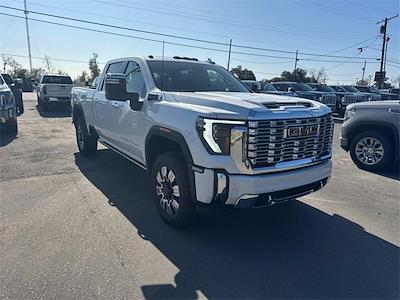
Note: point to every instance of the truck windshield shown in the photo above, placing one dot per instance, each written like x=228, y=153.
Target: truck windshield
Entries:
x=9, y=80
x=338, y=88
x=269, y=88
x=186, y=76
x=302, y=87
x=350, y=89
x=363, y=89
x=324, y=88
x=57, y=79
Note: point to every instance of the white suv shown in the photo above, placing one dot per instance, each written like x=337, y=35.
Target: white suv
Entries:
x=206, y=141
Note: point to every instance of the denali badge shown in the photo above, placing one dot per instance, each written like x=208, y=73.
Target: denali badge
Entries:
x=298, y=131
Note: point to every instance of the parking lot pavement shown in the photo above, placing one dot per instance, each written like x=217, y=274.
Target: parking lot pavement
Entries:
x=74, y=227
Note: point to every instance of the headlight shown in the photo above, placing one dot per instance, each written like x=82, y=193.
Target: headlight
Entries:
x=216, y=134
x=349, y=113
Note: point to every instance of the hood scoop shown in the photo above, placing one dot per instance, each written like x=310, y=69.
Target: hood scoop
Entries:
x=286, y=105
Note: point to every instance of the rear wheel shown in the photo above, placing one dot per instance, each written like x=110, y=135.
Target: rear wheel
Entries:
x=170, y=190
x=371, y=150
x=87, y=144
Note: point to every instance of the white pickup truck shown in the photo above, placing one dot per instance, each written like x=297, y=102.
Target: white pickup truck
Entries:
x=205, y=140
x=54, y=88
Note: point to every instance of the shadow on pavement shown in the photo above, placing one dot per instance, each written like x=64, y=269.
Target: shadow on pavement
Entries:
x=287, y=251
x=393, y=173
x=55, y=110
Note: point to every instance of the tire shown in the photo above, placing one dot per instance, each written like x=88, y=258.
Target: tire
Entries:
x=12, y=127
x=170, y=189
x=371, y=150
x=87, y=144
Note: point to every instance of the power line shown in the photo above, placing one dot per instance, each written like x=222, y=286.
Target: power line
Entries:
x=179, y=37
x=51, y=58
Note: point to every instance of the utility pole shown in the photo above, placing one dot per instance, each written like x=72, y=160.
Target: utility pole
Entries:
x=387, y=41
x=383, y=30
x=229, y=54
x=363, y=69
x=27, y=37
x=295, y=65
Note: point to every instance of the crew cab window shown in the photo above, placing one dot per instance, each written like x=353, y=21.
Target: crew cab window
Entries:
x=134, y=79
x=56, y=79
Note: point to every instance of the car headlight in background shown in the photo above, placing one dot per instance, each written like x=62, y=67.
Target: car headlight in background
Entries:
x=216, y=134
x=349, y=113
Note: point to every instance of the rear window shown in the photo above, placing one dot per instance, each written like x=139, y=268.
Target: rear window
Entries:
x=57, y=79
x=338, y=88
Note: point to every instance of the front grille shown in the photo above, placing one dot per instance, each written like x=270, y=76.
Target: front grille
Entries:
x=330, y=100
x=268, y=142
x=351, y=99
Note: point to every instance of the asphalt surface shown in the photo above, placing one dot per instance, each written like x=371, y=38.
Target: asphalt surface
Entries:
x=79, y=228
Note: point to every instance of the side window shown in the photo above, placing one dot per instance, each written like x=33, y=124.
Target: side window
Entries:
x=134, y=79
x=117, y=67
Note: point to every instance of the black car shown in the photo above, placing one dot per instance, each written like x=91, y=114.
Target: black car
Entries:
x=252, y=85
x=268, y=88
x=362, y=97
x=17, y=92
x=344, y=98
x=302, y=90
x=373, y=90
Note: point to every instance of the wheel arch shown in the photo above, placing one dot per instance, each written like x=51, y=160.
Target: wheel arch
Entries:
x=386, y=128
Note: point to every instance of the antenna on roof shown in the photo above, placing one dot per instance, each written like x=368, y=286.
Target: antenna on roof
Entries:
x=162, y=66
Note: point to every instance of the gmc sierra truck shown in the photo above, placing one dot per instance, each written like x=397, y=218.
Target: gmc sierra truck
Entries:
x=8, y=109
x=205, y=140
x=54, y=88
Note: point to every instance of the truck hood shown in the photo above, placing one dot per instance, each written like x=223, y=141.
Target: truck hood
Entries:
x=376, y=104
x=237, y=105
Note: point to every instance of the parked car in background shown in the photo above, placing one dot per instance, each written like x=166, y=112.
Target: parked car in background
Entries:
x=17, y=92
x=253, y=85
x=201, y=135
x=371, y=133
x=28, y=85
x=302, y=90
x=8, y=109
x=373, y=90
x=344, y=98
x=54, y=89
x=394, y=91
x=268, y=88
x=362, y=97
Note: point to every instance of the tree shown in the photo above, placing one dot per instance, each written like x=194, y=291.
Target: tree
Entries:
x=83, y=78
x=362, y=82
x=6, y=61
x=320, y=75
x=94, y=66
x=243, y=74
x=300, y=75
x=48, y=64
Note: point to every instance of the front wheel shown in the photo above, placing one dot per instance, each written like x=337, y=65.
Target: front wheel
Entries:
x=371, y=150
x=170, y=190
x=87, y=144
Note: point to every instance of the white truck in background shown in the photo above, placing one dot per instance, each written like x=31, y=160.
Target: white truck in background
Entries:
x=204, y=139
x=54, y=89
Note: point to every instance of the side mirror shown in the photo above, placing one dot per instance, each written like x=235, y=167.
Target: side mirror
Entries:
x=115, y=86
x=87, y=84
x=290, y=89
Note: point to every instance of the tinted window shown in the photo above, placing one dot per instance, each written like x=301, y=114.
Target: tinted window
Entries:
x=8, y=79
x=324, y=88
x=281, y=86
x=269, y=87
x=363, y=89
x=302, y=87
x=1, y=80
x=134, y=79
x=57, y=79
x=116, y=67
x=185, y=76
x=350, y=89
x=338, y=88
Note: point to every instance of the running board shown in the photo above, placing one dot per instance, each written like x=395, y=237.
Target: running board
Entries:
x=122, y=154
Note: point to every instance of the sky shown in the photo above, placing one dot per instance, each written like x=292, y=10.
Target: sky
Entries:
x=313, y=27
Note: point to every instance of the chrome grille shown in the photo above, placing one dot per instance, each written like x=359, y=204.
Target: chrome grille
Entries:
x=329, y=99
x=267, y=143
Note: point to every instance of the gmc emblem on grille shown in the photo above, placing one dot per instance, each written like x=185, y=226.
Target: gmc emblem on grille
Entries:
x=298, y=131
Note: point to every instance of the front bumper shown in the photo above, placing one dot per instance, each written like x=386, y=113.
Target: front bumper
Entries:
x=217, y=187
x=6, y=115
x=57, y=99
x=344, y=143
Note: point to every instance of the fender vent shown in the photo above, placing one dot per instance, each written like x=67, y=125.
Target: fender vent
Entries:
x=282, y=105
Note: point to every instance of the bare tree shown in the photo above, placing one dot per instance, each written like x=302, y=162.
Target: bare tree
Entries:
x=48, y=64
x=6, y=61
x=320, y=75
x=94, y=66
